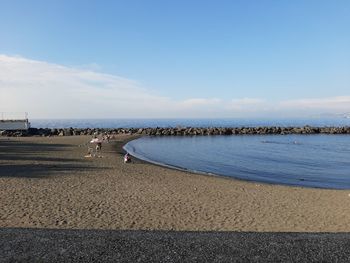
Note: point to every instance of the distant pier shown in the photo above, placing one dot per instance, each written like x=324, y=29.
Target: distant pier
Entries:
x=14, y=121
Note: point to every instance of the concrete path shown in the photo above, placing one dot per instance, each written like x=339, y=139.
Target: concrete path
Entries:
x=44, y=245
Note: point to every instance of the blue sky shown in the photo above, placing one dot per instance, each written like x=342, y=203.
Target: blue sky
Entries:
x=233, y=53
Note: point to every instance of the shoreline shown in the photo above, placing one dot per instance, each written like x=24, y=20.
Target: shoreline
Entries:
x=47, y=183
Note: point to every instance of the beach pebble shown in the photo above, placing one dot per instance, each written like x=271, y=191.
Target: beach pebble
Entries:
x=61, y=222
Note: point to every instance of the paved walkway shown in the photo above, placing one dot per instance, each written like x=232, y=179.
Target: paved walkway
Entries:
x=43, y=245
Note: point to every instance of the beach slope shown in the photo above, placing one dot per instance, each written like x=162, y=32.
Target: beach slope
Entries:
x=46, y=182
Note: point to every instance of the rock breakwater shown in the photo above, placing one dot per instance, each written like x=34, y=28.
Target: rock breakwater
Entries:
x=180, y=131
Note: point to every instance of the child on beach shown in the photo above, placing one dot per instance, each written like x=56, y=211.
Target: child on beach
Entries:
x=98, y=146
x=89, y=153
x=127, y=158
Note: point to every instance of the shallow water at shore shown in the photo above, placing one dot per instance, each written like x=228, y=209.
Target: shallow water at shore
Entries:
x=321, y=161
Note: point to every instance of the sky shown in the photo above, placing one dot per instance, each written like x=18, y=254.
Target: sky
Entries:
x=175, y=59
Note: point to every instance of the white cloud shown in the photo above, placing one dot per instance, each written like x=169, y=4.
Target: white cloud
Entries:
x=199, y=102
x=247, y=104
x=48, y=90
x=340, y=103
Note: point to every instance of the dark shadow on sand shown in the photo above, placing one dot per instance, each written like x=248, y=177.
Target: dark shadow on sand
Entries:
x=15, y=151
x=32, y=160
x=9, y=157
x=48, y=245
x=43, y=170
x=11, y=146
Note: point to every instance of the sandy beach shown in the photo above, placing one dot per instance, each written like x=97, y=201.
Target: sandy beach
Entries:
x=45, y=182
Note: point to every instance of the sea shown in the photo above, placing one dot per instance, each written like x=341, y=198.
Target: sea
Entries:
x=318, y=161
x=219, y=122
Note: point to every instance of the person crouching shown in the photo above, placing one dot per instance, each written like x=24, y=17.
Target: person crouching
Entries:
x=127, y=158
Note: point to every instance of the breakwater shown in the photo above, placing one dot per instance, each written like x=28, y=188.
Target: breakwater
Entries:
x=179, y=131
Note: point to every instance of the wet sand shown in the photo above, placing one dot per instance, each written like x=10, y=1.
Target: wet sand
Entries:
x=45, y=182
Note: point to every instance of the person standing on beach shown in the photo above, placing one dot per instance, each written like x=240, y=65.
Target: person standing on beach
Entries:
x=98, y=146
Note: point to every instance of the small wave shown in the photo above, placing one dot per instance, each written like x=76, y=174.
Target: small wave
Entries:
x=275, y=142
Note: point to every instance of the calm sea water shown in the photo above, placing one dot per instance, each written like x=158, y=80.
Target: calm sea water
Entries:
x=301, y=160
x=142, y=123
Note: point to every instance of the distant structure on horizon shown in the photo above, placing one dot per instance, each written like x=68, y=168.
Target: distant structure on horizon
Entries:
x=335, y=115
x=347, y=115
x=14, y=121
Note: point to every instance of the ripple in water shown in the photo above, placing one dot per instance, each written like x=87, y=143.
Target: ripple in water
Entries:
x=321, y=161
